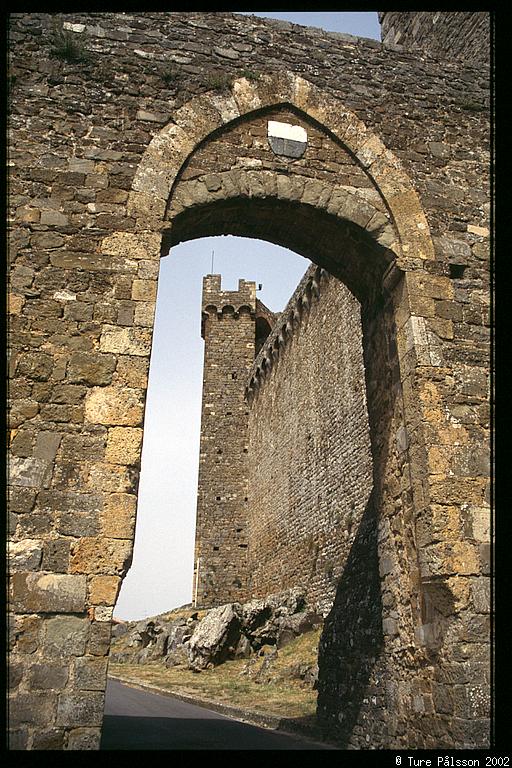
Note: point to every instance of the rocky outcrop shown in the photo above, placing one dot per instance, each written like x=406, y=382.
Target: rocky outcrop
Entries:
x=254, y=629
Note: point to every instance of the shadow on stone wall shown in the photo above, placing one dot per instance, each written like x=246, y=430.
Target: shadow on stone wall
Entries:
x=351, y=643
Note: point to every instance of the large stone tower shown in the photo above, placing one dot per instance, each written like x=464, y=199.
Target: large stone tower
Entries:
x=233, y=326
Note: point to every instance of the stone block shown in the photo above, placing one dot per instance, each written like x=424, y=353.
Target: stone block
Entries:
x=103, y=613
x=144, y=314
x=126, y=341
x=56, y=555
x=22, y=499
x=54, y=219
x=134, y=246
x=81, y=165
x=442, y=697
x=97, y=555
x=72, y=260
x=80, y=448
x=99, y=642
x=22, y=410
x=114, y=406
x=144, y=290
x=113, y=478
x=35, y=365
x=66, y=636
x=81, y=709
x=124, y=445
x=118, y=518
x=29, y=472
x=48, y=593
x=24, y=555
x=481, y=594
x=90, y=673
x=485, y=558
x=103, y=590
x=91, y=368
x=47, y=676
x=132, y=372
x=84, y=738
x=15, y=672
x=24, y=633
x=480, y=523
x=17, y=739
x=49, y=739
x=77, y=524
x=32, y=709
x=15, y=304
x=46, y=445
x=450, y=558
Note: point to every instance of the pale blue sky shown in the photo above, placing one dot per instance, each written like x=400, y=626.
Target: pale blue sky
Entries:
x=160, y=577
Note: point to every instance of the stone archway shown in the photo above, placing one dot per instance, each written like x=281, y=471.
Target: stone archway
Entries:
x=396, y=332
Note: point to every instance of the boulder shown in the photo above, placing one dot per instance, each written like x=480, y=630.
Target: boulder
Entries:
x=216, y=637
x=290, y=627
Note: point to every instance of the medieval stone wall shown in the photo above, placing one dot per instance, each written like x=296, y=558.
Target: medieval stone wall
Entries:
x=310, y=468
x=444, y=34
x=106, y=111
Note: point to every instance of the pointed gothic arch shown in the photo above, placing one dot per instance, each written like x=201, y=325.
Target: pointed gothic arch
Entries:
x=398, y=346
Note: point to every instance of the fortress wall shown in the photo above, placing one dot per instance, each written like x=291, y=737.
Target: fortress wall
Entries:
x=462, y=34
x=83, y=275
x=310, y=469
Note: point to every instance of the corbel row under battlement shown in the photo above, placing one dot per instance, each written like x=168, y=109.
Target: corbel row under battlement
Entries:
x=307, y=291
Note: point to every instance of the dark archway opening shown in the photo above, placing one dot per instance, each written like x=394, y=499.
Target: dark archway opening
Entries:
x=350, y=658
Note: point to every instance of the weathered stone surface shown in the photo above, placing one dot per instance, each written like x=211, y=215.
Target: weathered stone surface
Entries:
x=48, y=676
x=66, y=636
x=212, y=639
x=48, y=593
x=29, y=472
x=132, y=372
x=126, y=341
x=91, y=368
x=25, y=555
x=99, y=642
x=90, y=673
x=32, y=708
x=124, y=445
x=84, y=738
x=84, y=708
x=103, y=590
x=100, y=556
x=118, y=519
x=114, y=406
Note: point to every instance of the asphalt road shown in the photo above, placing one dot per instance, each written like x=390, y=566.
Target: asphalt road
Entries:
x=140, y=720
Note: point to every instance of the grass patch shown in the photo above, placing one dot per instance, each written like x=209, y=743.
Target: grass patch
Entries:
x=169, y=74
x=282, y=692
x=218, y=81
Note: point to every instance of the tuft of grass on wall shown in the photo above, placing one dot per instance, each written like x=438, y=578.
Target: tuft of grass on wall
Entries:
x=218, y=81
x=250, y=74
x=65, y=46
x=169, y=74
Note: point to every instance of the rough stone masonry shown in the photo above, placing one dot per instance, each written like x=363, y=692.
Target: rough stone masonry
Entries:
x=129, y=133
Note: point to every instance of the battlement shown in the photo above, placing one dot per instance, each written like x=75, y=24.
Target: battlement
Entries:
x=215, y=301
x=214, y=296
x=307, y=291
